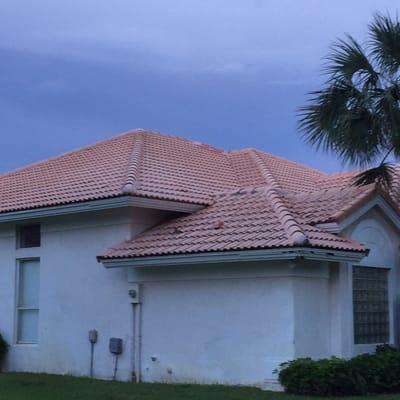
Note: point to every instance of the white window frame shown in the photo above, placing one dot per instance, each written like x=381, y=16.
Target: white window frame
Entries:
x=18, y=308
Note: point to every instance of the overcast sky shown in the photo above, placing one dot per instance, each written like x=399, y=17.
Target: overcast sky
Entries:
x=226, y=72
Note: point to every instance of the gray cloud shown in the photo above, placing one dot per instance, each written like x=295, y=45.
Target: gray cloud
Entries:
x=226, y=72
x=185, y=35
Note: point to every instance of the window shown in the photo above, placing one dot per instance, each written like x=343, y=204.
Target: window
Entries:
x=28, y=301
x=370, y=305
x=28, y=236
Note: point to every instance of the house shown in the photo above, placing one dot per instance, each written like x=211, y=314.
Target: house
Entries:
x=210, y=265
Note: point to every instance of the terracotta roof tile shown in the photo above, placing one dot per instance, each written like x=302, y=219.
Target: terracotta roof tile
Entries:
x=289, y=224
x=337, y=181
x=251, y=220
x=285, y=200
x=326, y=205
x=94, y=172
x=290, y=175
x=147, y=164
x=177, y=169
x=142, y=163
x=287, y=174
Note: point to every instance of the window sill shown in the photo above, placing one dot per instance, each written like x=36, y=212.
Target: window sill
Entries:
x=25, y=345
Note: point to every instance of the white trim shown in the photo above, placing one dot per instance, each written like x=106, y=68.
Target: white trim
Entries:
x=235, y=256
x=96, y=205
x=19, y=308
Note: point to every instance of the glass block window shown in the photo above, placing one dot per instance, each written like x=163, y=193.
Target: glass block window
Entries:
x=370, y=305
x=28, y=301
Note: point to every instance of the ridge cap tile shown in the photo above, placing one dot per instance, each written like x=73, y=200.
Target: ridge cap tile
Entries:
x=292, y=228
x=132, y=182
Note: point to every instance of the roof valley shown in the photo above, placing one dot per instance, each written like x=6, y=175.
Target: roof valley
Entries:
x=292, y=229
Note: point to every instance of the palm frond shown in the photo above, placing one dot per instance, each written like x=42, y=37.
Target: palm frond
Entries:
x=339, y=119
x=348, y=61
x=356, y=115
x=385, y=42
x=386, y=103
x=381, y=175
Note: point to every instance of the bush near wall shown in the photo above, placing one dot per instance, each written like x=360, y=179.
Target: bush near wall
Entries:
x=3, y=350
x=364, y=374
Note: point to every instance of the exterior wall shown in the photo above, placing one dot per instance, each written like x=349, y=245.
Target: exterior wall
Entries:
x=231, y=324
x=323, y=300
x=312, y=310
x=341, y=310
x=76, y=293
x=378, y=234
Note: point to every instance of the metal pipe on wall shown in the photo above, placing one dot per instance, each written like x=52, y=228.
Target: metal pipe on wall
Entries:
x=135, y=295
x=137, y=309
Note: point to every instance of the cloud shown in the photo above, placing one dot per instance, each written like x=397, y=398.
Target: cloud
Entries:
x=220, y=36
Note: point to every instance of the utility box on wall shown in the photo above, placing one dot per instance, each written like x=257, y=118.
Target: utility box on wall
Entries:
x=135, y=293
x=115, y=346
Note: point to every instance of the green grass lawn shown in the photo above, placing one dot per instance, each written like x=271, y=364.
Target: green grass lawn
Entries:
x=54, y=387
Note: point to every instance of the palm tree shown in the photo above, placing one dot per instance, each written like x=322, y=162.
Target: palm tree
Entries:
x=357, y=113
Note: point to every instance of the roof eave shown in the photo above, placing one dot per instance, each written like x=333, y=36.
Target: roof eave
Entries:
x=97, y=205
x=288, y=254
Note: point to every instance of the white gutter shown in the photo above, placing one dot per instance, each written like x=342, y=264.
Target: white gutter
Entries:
x=96, y=205
x=236, y=256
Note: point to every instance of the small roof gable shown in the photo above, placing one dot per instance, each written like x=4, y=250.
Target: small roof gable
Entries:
x=328, y=205
x=334, y=205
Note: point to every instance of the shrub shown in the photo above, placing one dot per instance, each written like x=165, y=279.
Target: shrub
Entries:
x=367, y=373
x=3, y=350
x=317, y=377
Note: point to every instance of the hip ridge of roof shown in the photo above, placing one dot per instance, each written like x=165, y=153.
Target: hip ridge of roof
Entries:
x=292, y=229
x=132, y=179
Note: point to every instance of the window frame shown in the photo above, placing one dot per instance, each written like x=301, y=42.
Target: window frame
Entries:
x=388, y=271
x=19, y=236
x=18, y=308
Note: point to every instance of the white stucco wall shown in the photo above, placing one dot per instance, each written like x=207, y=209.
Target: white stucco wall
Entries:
x=312, y=294
x=219, y=323
x=225, y=323
x=324, y=301
x=76, y=292
x=231, y=323
x=201, y=331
